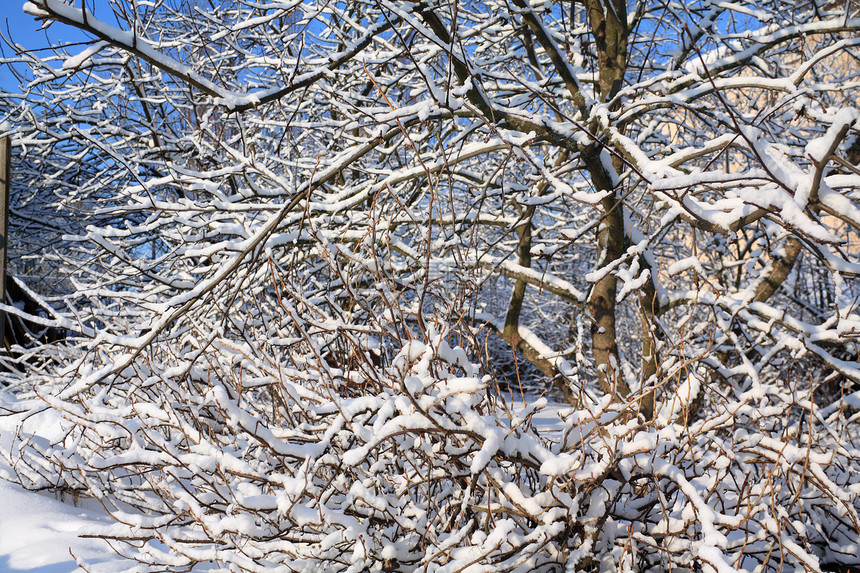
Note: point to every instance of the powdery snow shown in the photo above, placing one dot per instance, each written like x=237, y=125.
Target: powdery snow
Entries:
x=40, y=533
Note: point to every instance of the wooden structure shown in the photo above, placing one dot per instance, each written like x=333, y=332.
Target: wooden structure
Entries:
x=16, y=331
x=5, y=186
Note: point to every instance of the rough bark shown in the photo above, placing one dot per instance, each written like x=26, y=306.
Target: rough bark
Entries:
x=608, y=21
x=512, y=317
x=649, y=308
x=601, y=300
x=780, y=268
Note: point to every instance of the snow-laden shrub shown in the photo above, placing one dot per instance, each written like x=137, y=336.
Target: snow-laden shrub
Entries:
x=229, y=465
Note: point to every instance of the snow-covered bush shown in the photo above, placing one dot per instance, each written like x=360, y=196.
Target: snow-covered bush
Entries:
x=252, y=462
x=284, y=233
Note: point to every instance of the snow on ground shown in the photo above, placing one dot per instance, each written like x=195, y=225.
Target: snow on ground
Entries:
x=39, y=533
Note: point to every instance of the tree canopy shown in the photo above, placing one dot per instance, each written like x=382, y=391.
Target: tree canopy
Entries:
x=291, y=243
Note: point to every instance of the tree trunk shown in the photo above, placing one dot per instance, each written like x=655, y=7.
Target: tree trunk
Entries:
x=601, y=299
x=608, y=21
x=649, y=308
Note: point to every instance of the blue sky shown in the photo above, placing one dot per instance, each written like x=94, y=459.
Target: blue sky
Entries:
x=25, y=30
x=14, y=20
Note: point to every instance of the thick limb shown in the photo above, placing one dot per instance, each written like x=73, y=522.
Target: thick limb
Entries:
x=601, y=300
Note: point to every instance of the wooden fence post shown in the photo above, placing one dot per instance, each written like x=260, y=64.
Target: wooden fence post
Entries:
x=5, y=185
